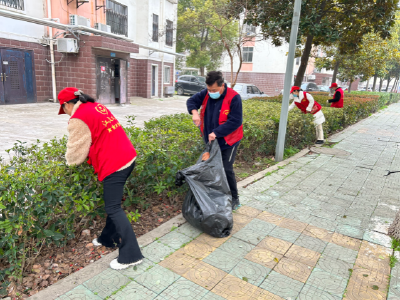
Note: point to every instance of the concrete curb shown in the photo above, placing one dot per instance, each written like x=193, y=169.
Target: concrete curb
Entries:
x=65, y=285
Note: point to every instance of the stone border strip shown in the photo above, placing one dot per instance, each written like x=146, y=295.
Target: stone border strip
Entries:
x=65, y=285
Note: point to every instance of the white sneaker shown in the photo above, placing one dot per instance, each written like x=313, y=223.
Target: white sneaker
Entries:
x=114, y=264
x=96, y=243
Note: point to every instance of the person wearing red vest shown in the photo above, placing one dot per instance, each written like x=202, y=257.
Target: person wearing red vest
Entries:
x=96, y=134
x=337, y=100
x=220, y=119
x=306, y=103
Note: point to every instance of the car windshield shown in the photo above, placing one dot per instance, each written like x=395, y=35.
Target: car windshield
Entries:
x=201, y=79
x=238, y=88
x=304, y=86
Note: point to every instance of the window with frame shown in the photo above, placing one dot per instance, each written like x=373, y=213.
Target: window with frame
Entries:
x=167, y=74
x=169, y=34
x=155, y=28
x=117, y=17
x=16, y=4
x=248, y=54
x=249, y=29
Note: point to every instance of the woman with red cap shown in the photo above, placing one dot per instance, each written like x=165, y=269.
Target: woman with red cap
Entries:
x=337, y=100
x=96, y=134
x=306, y=103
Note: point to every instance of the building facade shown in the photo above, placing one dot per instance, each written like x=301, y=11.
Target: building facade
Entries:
x=123, y=48
x=264, y=65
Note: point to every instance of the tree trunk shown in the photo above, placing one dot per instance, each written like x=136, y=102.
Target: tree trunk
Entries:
x=387, y=86
x=394, y=85
x=380, y=83
x=201, y=71
x=304, y=61
x=374, y=85
x=366, y=88
x=351, y=82
x=335, y=71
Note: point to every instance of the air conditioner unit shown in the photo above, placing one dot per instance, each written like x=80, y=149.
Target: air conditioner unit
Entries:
x=67, y=45
x=102, y=27
x=311, y=77
x=169, y=90
x=76, y=20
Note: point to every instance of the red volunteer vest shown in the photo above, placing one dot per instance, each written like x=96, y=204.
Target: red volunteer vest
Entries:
x=339, y=104
x=235, y=136
x=111, y=148
x=304, y=104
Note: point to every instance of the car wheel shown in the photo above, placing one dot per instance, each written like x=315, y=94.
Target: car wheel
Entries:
x=180, y=91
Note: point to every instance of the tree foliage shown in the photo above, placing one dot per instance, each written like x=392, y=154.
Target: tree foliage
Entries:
x=197, y=34
x=374, y=57
x=323, y=22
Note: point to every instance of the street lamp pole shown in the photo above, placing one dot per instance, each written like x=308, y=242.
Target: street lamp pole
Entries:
x=280, y=146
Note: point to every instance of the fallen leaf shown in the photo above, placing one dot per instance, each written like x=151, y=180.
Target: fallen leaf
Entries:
x=375, y=287
x=245, y=279
x=276, y=260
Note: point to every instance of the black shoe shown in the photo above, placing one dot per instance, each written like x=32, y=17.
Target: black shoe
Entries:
x=235, y=204
x=319, y=142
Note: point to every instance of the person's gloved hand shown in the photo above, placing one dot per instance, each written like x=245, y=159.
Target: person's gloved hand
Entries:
x=206, y=156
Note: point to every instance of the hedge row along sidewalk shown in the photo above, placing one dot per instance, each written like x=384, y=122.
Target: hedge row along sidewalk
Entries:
x=44, y=203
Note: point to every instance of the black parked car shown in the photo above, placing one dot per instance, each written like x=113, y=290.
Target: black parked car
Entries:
x=189, y=84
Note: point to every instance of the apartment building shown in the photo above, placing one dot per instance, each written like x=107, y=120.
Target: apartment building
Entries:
x=112, y=50
x=264, y=65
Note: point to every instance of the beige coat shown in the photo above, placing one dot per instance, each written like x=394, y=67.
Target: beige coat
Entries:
x=80, y=140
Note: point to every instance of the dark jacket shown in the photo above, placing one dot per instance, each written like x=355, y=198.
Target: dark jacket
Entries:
x=211, y=118
x=336, y=97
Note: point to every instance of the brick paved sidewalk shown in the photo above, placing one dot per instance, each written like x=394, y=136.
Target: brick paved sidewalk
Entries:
x=315, y=229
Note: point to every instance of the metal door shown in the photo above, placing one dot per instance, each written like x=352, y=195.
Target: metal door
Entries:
x=153, y=80
x=123, y=80
x=14, y=78
x=103, y=75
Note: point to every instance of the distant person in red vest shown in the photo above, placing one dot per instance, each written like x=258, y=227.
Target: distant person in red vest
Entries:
x=338, y=97
x=96, y=134
x=306, y=103
x=221, y=118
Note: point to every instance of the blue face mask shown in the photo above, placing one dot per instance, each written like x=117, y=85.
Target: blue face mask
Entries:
x=214, y=95
x=294, y=95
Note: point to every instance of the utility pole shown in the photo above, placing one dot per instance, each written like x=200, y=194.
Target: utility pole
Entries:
x=280, y=146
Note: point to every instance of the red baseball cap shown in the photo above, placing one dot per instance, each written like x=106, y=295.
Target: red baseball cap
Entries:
x=294, y=88
x=333, y=85
x=66, y=95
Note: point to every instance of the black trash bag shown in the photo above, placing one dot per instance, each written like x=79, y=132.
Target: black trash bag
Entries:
x=208, y=204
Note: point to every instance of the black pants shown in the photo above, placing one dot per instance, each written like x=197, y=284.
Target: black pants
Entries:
x=228, y=159
x=118, y=230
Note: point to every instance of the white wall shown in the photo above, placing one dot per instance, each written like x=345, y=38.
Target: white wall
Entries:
x=23, y=31
x=266, y=59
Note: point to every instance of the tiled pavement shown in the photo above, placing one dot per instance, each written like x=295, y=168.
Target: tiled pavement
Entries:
x=313, y=230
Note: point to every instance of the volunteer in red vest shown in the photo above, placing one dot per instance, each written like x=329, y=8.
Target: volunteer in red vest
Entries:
x=96, y=134
x=306, y=103
x=220, y=119
x=337, y=100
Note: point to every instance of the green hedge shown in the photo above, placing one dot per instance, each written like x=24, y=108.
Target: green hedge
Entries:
x=43, y=202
